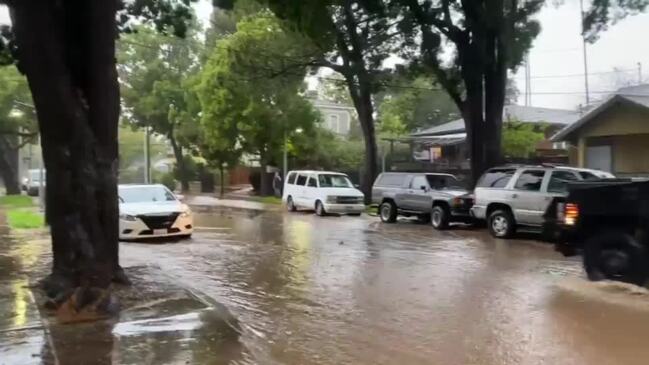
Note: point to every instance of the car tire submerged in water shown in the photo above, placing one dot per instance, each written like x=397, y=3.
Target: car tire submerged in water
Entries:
x=440, y=217
x=616, y=255
x=388, y=212
x=290, y=205
x=319, y=209
x=501, y=224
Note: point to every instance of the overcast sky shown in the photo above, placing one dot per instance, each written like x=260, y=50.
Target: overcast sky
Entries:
x=556, y=59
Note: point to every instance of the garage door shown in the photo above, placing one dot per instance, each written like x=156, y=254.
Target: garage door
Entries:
x=599, y=158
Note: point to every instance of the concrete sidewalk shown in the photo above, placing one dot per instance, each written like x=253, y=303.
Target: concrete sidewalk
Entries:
x=205, y=201
x=160, y=322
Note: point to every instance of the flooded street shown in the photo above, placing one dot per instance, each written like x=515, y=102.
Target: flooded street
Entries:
x=310, y=290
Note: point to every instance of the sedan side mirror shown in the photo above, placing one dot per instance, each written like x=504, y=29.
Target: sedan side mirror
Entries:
x=357, y=186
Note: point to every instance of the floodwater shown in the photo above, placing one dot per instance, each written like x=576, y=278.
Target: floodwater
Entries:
x=347, y=290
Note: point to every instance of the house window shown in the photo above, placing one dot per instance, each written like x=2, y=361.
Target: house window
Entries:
x=334, y=123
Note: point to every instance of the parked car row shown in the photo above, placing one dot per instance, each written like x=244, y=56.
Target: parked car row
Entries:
x=505, y=197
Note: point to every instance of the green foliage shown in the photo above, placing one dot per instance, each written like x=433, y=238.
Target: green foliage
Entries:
x=131, y=147
x=605, y=12
x=246, y=105
x=415, y=106
x=520, y=139
x=25, y=219
x=165, y=178
x=324, y=150
x=16, y=201
x=16, y=114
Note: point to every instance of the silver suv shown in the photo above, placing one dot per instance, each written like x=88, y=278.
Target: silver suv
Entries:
x=436, y=198
x=511, y=196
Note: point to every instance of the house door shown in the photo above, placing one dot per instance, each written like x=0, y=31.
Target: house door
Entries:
x=599, y=158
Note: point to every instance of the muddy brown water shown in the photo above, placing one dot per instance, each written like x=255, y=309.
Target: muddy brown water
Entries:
x=333, y=290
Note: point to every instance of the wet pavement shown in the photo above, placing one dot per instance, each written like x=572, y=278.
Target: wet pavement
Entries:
x=339, y=290
x=346, y=290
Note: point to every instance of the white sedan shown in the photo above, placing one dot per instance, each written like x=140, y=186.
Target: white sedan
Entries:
x=152, y=211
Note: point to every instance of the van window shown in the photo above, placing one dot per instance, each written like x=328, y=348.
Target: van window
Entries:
x=291, y=178
x=559, y=181
x=497, y=178
x=530, y=180
x=301, y=180
x=391, y=180
x=312, y=182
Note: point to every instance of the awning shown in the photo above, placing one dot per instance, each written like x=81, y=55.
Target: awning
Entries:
x=443, y=140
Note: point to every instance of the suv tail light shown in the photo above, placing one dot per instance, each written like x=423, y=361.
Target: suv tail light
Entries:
x=571, y=214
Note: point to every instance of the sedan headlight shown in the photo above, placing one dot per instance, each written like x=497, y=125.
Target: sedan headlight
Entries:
x=185, y=213
x=127, y=217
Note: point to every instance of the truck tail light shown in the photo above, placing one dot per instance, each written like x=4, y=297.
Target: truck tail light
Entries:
x=571, y=214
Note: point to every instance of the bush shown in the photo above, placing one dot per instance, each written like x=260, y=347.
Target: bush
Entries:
x=165, y=178
x=24, y=219
x=16, y=201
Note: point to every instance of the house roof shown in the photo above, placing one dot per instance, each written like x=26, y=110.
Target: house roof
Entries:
x=322, y=103
x=527, y=114
x=634, y=95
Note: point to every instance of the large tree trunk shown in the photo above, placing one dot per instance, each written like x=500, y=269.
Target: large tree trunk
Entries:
x=9, y=166
x=264, y=178
x=67, y=51
x=180, y=163
x=366, y=118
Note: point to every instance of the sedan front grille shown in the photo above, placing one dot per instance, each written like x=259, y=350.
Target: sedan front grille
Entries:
x=349, y=200
x=159, y=221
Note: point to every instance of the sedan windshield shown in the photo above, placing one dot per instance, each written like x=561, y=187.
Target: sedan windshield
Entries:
x=145, y=194
x=334, y=181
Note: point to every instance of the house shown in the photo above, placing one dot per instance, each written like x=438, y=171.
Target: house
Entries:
x=445, y=145
x=336, y=117
x=613, y=136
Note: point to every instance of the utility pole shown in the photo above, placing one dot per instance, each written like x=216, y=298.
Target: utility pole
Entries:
x=583, y=37
x=528, y=81
x=639, y=73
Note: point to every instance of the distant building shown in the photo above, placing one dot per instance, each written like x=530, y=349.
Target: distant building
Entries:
x=613, y=135
x=336, y=117
x=444, y=146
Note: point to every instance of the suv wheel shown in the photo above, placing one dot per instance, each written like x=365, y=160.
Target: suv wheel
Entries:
x=439, y=217
x=319, y=209
x=290, y=205
x=501, y=224
x=388, y=212
x=616, y=255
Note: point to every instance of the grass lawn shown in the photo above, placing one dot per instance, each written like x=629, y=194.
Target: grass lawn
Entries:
x=16, y=201
x=269, y=200
x=24, y=219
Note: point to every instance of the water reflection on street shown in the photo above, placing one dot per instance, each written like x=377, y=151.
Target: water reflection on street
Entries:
x=310, y=290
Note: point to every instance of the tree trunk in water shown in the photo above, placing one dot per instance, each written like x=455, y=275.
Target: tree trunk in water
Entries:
x=67, y=51
x=362, y=97
x=222, y=179
x=264, y=181
x=9, y=166
x=180, y=162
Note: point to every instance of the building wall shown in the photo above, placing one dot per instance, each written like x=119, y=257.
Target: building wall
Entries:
x=626, y=129
x=336, y=120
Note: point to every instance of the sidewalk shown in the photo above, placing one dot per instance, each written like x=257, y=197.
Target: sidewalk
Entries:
x=232, y=201
x=160, y=321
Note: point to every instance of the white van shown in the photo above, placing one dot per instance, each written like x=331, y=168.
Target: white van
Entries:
x=322, y=191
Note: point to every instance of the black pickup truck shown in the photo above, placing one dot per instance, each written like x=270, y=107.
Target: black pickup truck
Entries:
x=607, y=222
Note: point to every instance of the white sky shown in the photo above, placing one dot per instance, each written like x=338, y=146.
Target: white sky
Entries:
x=558, y=51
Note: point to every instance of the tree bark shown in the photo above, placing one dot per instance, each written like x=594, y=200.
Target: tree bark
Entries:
x=222, y=180
x=365, y=111
x=9, y=167
x=264, y=181
x=67, y=51
x=180, y=163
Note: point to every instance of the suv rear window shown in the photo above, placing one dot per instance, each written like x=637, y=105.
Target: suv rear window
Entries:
x=530, y=180
x=390, y=180
x=497, y=178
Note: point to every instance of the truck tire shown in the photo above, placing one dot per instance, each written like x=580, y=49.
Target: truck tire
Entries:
x=388, y=212
x=501, y=223
x=616, y=255
x=440, y=217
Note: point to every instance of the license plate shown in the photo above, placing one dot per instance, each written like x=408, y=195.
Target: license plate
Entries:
x=157, y=232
